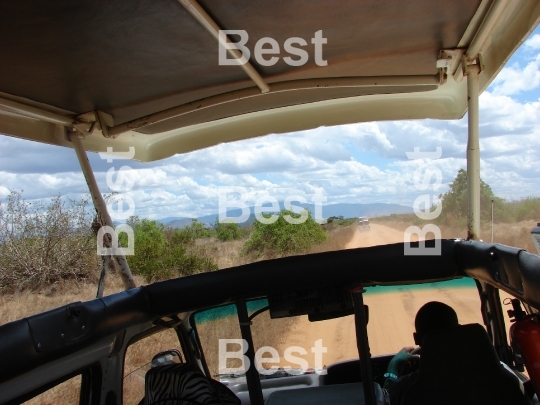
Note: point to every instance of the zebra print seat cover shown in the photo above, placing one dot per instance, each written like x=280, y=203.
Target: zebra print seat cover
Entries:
x=184, y=384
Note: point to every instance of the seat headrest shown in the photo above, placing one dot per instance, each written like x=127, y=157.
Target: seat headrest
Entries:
x=459, y=348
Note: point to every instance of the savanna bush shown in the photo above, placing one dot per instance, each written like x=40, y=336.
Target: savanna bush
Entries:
x=43, y=243
x=282, y=238
x=228, y=231
x=195, y=230
x=161, y=255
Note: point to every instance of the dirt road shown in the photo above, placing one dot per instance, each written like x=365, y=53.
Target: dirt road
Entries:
x=377, y=235
x=391, y=322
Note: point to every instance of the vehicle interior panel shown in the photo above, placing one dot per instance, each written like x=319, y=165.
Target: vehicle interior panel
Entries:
x=349, y=371
x=344, y=394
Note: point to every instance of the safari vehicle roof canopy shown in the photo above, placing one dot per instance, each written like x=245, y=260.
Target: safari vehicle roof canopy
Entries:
x=150, y=68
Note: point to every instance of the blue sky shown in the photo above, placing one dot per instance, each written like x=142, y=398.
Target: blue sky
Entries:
x=353, y=163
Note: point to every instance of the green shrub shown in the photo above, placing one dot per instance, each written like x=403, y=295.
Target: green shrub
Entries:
x=335, y=222
x=161, y=255
x=455, y=207
x=331, y=220
x=455, y=201
x=282, y=238
x=525, y=209
x=228, y=231
x=195, y=230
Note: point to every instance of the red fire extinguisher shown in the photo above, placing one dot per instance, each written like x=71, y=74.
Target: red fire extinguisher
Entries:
x=525, y=337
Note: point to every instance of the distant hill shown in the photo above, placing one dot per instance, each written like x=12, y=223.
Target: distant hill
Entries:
x=363, y=210
x=177, y=223
x=170, y=219
x=345, y=210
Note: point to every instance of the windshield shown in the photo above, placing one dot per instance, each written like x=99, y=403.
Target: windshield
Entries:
x=296, y=345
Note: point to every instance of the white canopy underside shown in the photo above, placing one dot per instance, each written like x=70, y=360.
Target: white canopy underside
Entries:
x=154, y=69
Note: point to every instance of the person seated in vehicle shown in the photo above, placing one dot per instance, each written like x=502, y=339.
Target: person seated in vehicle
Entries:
x=432, y=316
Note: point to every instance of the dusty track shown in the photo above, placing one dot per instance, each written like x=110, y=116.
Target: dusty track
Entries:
x=391, y=322
x=377, y=235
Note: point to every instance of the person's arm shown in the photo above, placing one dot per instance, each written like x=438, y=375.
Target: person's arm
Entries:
x=397, y=362
x=396, y=384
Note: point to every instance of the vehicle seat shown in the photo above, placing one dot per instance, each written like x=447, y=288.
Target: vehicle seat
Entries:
x=184, y=384
x=460, y=366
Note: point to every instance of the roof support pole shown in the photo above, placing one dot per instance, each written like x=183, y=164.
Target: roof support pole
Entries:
x=494, y=322
x=211, y=26
x=473, y=154
x=105, y=264
x=101, y=208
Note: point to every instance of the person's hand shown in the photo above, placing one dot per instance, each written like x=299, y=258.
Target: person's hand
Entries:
x=402, y=357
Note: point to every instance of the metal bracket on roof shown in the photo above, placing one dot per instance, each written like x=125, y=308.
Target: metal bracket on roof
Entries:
x=105, y=121
x=87, y=122
x=449, y=60
x=465, y=62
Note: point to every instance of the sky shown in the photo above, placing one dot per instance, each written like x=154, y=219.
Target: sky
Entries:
x=360, y=163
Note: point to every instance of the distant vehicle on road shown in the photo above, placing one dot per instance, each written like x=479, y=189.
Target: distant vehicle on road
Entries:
x=363, y=223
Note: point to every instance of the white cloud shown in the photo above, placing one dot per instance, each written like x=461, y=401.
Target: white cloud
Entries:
x=369, y=136
x=4, y=192
x=533, y=43
x=514, y=79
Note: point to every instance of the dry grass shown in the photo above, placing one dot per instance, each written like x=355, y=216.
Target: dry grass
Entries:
x=224, y=254
x=229, y=254
x=26, y=303
x=22, y=304
x=338, y=237
x=138, y=355
x=66, y=393
x=517, y=235
x=266, y=332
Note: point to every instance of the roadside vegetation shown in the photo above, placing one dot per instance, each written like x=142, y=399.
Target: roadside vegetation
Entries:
x=50, y=247
x=45, y=243
x=284, y=237
x=513, y=219
x=230, y=231
x=162, y=253
x=455, y=205
x=336, y=221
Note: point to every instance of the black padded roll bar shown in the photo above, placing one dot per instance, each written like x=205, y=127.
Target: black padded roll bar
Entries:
x=362, y=342
x=252, y=375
